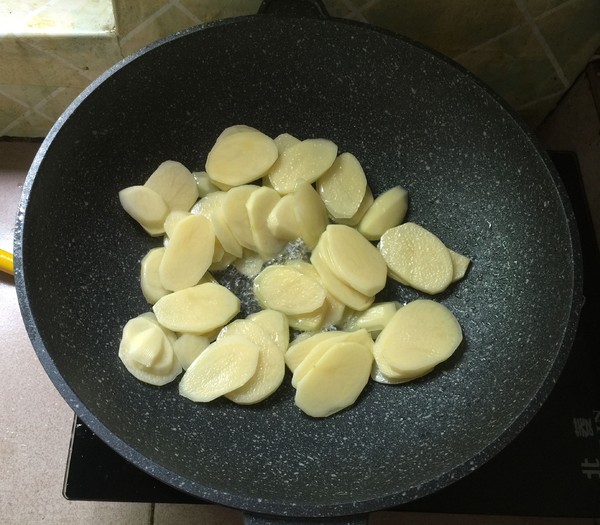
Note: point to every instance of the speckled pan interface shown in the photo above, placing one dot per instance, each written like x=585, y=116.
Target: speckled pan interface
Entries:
x=474, y=178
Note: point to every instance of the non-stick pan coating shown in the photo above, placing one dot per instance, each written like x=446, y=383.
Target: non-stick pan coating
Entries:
x=476, y=179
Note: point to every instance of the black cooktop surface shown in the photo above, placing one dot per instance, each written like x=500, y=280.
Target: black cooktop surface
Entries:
x=551, y=469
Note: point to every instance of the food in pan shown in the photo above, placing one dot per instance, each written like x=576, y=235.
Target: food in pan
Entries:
x=301, y=222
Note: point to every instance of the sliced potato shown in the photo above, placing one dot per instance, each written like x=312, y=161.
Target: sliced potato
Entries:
x=172, y=219
x=223, y=366
x=189, y=253
x=460, y=264
x=199, y=309
x=311, y=213
x=343, y=186
x=335, y=381
x=416, y=257
x=150, y=282
x=235, y=214
x=335, y=286
x=300, y=348
x=421, y=335
x=258, y=206
x=204, y=184
x=236, y=128
x=354, y=260
x=275, y=325
x=240, y=158
x=147, y=353
x=146, y=207
x=282, y=221
x=362, y=209
x=285, y=141
x=270, y=368
x=307, y=160
x=175, y=184
x=188, y=347
x=373, y=319
x=387, y=211
x=287, y=290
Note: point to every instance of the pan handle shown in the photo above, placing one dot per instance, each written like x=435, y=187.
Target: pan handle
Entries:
x=260, y=519
x=304, y=8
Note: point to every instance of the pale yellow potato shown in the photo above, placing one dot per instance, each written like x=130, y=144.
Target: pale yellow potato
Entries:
x=285, y=141
x=379, y=377
x=276, y=326
x=336, y=287
x=172, y=219
x=147, y=352
x=236, y=128
x=311, y=359
x=282, y=288
x=311, y=213
x=282, y=221
x=307, y=160
x=204, y=184
x=189, y=253
x=188, y=347
x=460, y=264
x=342, y=187
x=311, y=321
x=362, y=209
x=385, y=372
x=416, y=257
x=223, y=366
x=146, y=207
x=223, y=264
x=335, y=381
x=387, y=211
x=150, y=282
x=240, y=158
x=354, y=260
x=373, y=319
x=270, y=368
x=199, y=309
x=258, y=207
x=175, y=184
x=250, y=264
x=301, y=347
x=421, y=335
x=235, y=214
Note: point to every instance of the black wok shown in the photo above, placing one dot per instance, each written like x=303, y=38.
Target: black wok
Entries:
x=476, y=178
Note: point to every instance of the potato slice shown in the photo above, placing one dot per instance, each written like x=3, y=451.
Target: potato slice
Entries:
x=258, y=206
x=362, y=209
x=417, y=258
x=204, y=184
x=379, y=377
x=235, y=214
x=199, y=309
x=172, y=219
x=285, y=141
x=319, y=349
x=343, y=186
x=335, y=381
x=146, y=207
x=373, y=319
x=282, y=221
x=223, y=366
x=311, y=213
x=387, y=211
x=270, y=369
x=188, y=347
x=460, y=264
x=354, y=260
x=300, y=348
x=147, y=353
x=211, y=206
x=306, y=160
x=189, y=253
x=287, y=290
x=250, y=264
x=275, y=325
x=175, y=184
x=421, y=335
x=336, y=287
x=240, y=158
x=150, y=282
x=236, y=128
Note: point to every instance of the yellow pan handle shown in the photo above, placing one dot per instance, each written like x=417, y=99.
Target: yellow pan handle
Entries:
x=6, y=262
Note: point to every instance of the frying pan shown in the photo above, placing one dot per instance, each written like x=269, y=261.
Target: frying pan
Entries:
x=476, y=178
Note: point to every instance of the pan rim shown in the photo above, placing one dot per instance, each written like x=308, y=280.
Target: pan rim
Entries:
x=251, y=504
